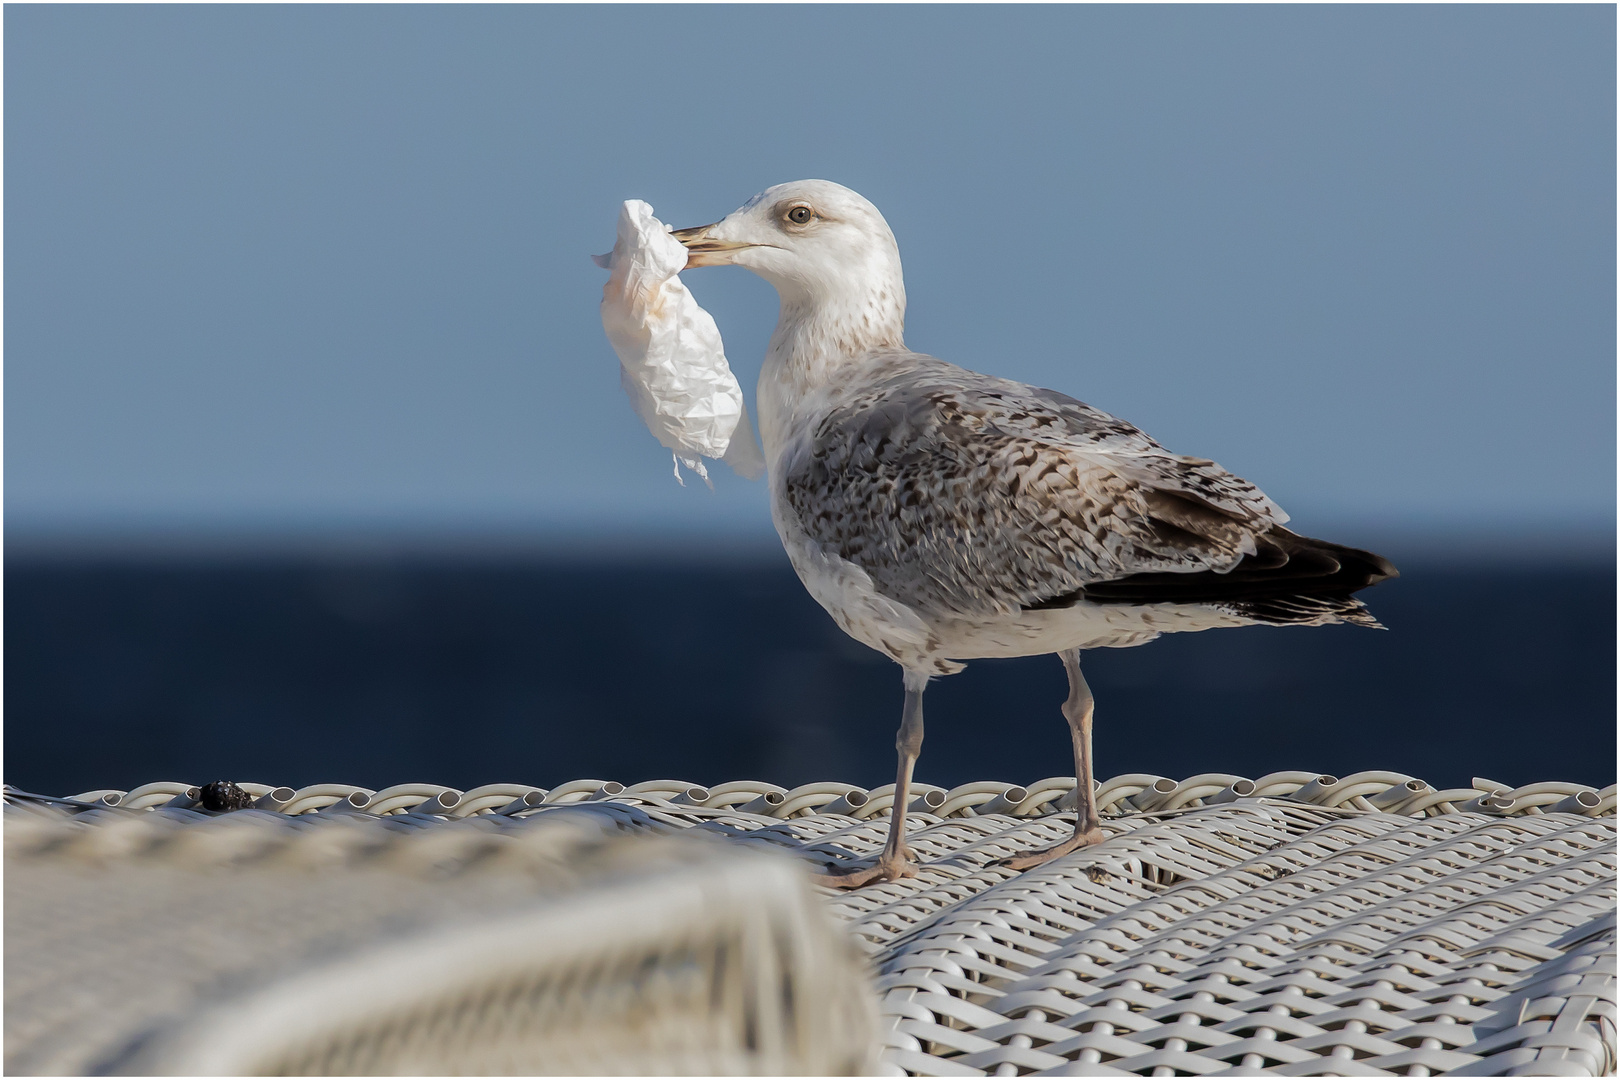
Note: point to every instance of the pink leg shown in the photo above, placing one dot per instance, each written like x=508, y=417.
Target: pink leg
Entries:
x=897, y=860
x=1087, y=829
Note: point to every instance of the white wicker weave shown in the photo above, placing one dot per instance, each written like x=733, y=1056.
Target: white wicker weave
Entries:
x=1293, y=924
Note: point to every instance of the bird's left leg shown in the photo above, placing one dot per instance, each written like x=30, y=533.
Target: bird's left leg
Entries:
x=897, y=860
x=1087, y=829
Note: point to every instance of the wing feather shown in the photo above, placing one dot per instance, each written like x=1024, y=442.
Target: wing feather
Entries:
x=968, y=494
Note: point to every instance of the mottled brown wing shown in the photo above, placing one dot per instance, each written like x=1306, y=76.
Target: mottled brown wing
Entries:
x=966, y=494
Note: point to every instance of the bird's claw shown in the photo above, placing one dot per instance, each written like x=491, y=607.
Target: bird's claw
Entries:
x=1028, y=860
x=883, y=870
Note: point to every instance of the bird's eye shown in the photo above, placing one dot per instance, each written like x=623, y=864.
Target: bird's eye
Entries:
x=800, y=215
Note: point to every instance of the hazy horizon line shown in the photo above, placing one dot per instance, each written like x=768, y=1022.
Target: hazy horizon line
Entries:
x=1556, y=542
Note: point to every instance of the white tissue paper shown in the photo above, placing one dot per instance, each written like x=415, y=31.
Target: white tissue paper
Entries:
x=672, y=362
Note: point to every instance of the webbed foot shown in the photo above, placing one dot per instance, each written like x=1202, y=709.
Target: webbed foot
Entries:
x=884, y=869
x=1027, y=860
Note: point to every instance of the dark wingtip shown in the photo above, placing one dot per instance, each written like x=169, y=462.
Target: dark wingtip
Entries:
x=1311, y=584
x=1369, y=565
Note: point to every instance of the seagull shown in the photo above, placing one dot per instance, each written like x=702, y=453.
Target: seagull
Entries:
x=940, y=515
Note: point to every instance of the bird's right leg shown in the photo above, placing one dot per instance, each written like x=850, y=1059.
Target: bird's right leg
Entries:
x=896, y=861
x=1087, y=828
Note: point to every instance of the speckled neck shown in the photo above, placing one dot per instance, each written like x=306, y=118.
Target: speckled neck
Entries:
x=820, y=336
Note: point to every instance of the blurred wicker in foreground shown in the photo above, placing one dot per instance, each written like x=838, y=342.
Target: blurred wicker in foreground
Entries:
x=239, y=946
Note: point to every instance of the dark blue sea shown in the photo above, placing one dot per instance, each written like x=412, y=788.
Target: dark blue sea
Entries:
x=376, y=670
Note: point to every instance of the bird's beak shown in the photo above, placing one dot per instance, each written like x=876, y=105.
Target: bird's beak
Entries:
x=705, y=250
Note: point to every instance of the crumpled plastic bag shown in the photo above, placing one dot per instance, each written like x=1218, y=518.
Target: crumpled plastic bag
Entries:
x=672, y=362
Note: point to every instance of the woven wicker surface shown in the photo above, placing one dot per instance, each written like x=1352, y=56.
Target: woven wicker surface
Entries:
x=1294, y=924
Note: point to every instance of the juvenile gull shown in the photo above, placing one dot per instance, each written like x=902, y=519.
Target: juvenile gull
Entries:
x=941, y=515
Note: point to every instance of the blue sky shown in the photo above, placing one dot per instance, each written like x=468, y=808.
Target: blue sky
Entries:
x=310, y=268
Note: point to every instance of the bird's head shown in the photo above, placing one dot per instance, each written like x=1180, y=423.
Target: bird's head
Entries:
x=818, y=242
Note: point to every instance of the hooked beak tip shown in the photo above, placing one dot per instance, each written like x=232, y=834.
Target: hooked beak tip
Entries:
x=704, y=250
